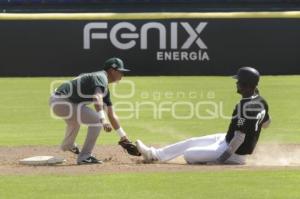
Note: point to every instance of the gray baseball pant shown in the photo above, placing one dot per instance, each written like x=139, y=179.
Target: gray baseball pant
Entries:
x=75, y=115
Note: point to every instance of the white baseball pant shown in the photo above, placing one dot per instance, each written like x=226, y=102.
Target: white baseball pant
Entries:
x=198, y=150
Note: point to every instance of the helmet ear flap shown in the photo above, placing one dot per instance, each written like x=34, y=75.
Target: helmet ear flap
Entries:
x=243, y=84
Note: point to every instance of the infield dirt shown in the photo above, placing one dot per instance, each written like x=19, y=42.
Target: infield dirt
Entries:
x=267, y=156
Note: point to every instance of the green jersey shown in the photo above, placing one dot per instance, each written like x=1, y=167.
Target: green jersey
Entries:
x=83, y=87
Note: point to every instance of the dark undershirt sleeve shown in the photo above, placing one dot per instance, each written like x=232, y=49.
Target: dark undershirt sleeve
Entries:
x=106, y=99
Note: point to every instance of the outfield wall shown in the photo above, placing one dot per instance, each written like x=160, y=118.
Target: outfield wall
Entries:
x=150, y=43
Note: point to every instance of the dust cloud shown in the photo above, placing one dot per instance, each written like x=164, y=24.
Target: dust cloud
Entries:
x=275, y=155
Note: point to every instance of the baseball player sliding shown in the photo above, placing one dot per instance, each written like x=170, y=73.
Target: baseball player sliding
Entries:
x=70, y=102
x=249, y=116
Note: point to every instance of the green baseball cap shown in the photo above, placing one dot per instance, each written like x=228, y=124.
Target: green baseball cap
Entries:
x=115, y=63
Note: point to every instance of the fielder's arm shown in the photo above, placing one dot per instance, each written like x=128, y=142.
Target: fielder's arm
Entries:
x=124, y=141
x=234, y=144
x=99, y=107
x=98, y=100
x=114, y=120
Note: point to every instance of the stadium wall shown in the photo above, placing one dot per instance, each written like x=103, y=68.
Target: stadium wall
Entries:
x=129, y=6
x=150, y=43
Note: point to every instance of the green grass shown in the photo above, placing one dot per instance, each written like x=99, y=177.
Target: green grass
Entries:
x=273, y=184
x=25, y=120
x=25, y=115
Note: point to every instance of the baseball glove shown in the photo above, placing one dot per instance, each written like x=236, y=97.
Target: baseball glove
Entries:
x=129, y=147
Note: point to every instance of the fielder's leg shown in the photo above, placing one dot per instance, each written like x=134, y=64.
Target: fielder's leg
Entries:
x=71, y=133
x=90, y=118
x=63, y=108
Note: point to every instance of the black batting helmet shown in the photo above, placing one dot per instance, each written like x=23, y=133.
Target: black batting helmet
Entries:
x=247, y=75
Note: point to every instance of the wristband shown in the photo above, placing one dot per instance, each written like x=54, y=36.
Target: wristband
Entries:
x=121, y=132
x=101, y=114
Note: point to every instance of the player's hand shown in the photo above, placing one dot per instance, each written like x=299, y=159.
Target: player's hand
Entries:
x=107, y=127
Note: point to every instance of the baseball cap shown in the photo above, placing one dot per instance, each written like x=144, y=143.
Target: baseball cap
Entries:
x=115, y=63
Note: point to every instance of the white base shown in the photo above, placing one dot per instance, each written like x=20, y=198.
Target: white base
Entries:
x=42, y=160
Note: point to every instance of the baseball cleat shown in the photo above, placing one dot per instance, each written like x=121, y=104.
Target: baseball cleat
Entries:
x=75, y=150
x=145, y=151
x=90, y=160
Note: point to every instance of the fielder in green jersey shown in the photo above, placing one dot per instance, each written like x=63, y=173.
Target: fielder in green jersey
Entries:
x=70, y=100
